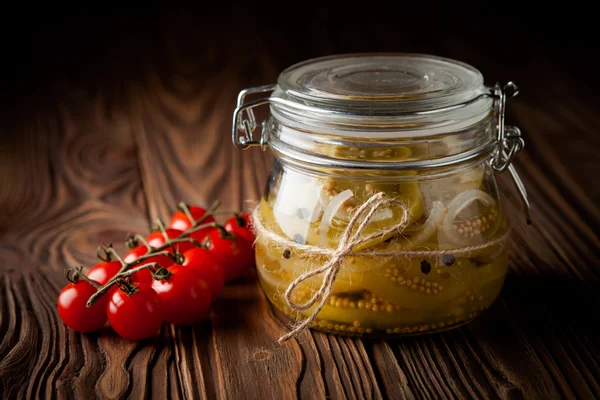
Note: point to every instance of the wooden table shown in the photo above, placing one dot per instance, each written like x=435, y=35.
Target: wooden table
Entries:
x=106, y=126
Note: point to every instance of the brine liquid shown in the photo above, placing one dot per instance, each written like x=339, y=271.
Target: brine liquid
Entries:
x=388, y=295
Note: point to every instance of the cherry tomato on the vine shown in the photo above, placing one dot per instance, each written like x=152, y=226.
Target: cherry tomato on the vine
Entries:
x=181, y=222
x=145, y=275
x=137, y=315
x=204, y=264
x=104, y=271
x=200, y=235
x=233, y=252
x=157, y=239
x=185, y=296
x=135, y=253
x=241, y=225
x=72, y=308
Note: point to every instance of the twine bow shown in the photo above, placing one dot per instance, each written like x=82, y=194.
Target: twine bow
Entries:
x=332, y=267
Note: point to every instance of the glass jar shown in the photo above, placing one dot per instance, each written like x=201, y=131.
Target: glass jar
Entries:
x=382, y=215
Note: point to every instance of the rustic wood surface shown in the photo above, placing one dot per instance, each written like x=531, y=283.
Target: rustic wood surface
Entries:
x=103, y=133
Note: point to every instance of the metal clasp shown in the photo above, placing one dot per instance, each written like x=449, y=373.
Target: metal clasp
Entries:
x=509, y=143
x=509, y=137
x=248, y=125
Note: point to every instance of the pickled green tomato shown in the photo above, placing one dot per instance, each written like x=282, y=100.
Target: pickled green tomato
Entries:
x=409, y=282
x=447, y=188
x=485, y=291
x=407, y=193
x=401, y=282
x=372, y=153
x=414, y=290
x=408, y=317
x=378, y=319
x=383, y=318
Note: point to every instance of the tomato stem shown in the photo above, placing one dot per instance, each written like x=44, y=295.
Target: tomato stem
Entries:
x=224, y=233
x=179, y=258
x=93, y=298
x=112, y=252
x=206, y=243
x=187, y=239
x=161, y=274
x=240, y=220
x=118, y=277
x=186, y=210
x=81, y=275
x=72, y=275
x=225, y=212
x=106, y=253
x=127, y=286
x=198, y=228
x=103, y=254
x=125, y=270
x=151, y=266
x=161, y=226
x=146, y=256
x=137, y=239
x=210, y=211
x=131, y=241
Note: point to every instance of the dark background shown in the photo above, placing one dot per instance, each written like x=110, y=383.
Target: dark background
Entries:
x=65, y=57
x=104, y=49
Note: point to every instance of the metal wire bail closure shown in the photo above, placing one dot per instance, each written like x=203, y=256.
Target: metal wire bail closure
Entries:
x=509, y=143
x=248, y=125
x=509, y=137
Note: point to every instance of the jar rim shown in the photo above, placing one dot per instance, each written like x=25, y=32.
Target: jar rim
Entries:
x=380, y=83
x=379, y=95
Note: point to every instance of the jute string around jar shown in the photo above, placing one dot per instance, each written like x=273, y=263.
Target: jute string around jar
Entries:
x=345, y=249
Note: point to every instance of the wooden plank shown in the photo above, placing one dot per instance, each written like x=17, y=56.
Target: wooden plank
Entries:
x=392, y=377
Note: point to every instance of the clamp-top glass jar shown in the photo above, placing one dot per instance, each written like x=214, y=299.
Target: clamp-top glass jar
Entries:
x=382, y=214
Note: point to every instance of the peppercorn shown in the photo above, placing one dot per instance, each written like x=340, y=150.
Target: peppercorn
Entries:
x=425, y=267
x=448, y=259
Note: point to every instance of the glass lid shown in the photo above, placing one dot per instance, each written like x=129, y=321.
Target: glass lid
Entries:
x=429, y=106
x=380, y=84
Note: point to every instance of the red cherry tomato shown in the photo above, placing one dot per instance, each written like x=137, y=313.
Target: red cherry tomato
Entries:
x=185, y=296
x=233, y=252
x=157, y=239
x=204, y=264
x=241, y=225
x=138, y=315
x=72, y=308
x=181, y=222
x=145, y=276
x=104, y=271
x=201, y=234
